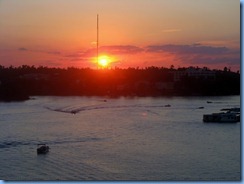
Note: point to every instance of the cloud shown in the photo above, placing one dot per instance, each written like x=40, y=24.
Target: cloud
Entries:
x=53, y=52
x=214, y=60
x=22, y=49
x=75, y=55
x=171, y=30
x=110, y=50
x=187, y=49
x=198, y=54
x=193, y=54
x=121, y=49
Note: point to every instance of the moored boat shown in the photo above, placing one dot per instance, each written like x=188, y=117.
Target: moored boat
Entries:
x=231, y=115
x=221, y=118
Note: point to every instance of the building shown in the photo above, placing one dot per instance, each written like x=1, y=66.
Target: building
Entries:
x=193, y=72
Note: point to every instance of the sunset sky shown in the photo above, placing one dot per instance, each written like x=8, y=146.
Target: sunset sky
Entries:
x=133, y=33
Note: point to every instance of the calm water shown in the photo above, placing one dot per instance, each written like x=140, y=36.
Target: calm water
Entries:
x=118, y=139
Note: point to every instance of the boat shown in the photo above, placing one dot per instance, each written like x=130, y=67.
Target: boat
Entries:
x=231, y=115
x=232, y=110
x=42, y=149
x=221, y=118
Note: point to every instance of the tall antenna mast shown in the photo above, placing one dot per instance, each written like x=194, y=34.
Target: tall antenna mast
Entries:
x=97, y=37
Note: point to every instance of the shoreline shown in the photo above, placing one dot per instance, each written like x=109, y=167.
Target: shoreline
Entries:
x=26, y=98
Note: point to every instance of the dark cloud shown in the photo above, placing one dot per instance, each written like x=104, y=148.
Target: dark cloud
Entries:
x=187, y=49
x=40, y=51
x=230, y=58
x=198, y=54
x=22, y=49
x=110, y=49
x=194, y=54
x=54, y=52
x=216, y=60
x=79, y=56
x=121, y=49
x=73, y=55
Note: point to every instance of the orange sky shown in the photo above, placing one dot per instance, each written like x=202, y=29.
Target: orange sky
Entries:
x=133, y=33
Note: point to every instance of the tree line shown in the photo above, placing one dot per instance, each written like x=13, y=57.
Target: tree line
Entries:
x=19, y=83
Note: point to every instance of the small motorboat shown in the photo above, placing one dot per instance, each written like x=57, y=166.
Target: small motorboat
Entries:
x=232, y=115
x=221, y=118
x=42, y=149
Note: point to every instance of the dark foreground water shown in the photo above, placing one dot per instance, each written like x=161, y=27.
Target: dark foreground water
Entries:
x=118, y=139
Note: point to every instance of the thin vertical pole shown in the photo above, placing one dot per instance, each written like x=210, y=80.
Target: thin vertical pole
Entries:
x=97, y=38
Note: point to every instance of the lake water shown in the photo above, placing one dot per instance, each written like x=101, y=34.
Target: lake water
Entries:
x=100, y=138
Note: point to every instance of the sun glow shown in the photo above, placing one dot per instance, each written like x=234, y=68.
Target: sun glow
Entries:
x=104, y=61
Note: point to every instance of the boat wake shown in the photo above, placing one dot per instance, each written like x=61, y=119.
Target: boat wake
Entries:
x=77, y=109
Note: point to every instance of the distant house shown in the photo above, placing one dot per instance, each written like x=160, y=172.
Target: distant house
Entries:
x=195, y=73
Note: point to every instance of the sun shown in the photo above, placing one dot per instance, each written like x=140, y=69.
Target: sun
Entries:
x=104, y=61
